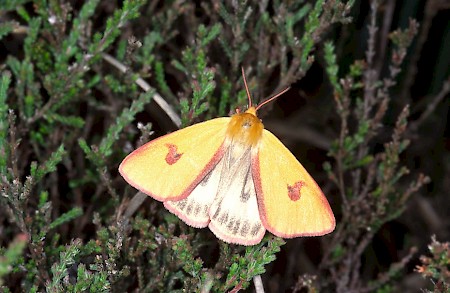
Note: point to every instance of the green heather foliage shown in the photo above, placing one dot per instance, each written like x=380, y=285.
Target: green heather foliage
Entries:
x=437, y=267
x=83, y=83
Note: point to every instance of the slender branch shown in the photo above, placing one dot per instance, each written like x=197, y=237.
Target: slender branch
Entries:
x=146, y=87
x=259, y=287
x=432, y=105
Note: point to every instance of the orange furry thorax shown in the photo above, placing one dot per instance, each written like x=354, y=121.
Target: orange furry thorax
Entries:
x=245, y=128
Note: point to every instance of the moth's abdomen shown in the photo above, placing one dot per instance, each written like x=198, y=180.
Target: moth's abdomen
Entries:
x=245, y=128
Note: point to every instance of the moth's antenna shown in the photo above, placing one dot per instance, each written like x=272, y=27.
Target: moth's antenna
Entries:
x=272, y=98
x=246, y=88
x=266, y=101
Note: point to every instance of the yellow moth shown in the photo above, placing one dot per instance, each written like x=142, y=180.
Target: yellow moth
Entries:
x=233, y=176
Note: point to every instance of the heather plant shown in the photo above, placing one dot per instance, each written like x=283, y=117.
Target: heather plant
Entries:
x=83, y=83
x=436, y=267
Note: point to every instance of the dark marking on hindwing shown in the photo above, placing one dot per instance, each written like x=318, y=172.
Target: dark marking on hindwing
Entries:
x=245, y=228
x=190, y=207
x=181, y=204
x=230, y=223
x=223, y=218
x=216, y=213
x=197, y=209
x=236, y=227
x=246, y=192
x=245, y=195
x=255, y=229
x=206, y=179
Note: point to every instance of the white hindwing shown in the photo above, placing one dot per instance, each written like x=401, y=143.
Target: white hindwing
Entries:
x=225, y=200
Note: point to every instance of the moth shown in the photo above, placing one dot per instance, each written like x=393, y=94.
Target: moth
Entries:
x=233, y=176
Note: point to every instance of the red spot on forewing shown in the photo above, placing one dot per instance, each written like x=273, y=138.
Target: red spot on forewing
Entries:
x=294, y=191
x=172, y=156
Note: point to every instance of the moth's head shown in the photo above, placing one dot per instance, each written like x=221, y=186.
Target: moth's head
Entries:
x=246, y=128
